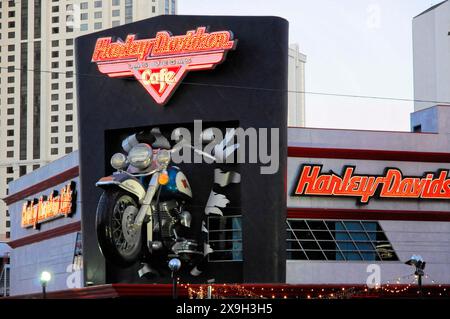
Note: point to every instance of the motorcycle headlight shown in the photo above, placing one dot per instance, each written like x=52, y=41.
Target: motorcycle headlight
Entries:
x=118, y=161
x=163, y=157
x=140, y=156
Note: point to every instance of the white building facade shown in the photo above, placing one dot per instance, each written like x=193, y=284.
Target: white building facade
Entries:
x=296, y=86
x=38, y=121
x=431, y=44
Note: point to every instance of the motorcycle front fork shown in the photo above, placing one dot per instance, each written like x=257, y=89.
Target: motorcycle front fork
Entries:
x=146, y=208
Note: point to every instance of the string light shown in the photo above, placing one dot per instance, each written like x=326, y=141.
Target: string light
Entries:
x=249, y=291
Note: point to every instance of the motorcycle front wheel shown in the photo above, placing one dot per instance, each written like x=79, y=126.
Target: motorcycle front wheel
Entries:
x=112, y=220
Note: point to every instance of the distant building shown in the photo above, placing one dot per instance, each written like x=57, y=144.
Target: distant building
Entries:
x=296, y=87
x=431, y=44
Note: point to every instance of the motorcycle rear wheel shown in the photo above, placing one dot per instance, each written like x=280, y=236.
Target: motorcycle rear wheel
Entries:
x=109, y=219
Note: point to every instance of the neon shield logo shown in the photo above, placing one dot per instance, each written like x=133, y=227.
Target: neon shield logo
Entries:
x=161, y=63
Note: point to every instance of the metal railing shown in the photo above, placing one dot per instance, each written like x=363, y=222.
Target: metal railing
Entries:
x=4, y=281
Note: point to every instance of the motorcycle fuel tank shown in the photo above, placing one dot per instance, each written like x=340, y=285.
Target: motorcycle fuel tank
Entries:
x=178, y=185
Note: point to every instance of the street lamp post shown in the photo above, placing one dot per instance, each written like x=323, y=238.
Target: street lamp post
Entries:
x=174, y=266
x=418, y=262
x=45, y=278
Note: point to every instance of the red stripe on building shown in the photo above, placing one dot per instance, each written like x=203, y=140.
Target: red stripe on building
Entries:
x=368, y=214
x=365, y=154
x=42, y=186
x=55, y=232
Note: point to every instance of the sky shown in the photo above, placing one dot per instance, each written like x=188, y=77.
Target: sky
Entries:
x=355, y=47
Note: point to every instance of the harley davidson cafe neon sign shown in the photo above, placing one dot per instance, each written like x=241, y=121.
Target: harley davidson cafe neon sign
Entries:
x=160, y=63
x=392, y=184
x=45, y=209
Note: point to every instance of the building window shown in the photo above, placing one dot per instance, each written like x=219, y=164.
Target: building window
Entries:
x=97, y=4
x=69, y=74
x=37, y=101
x=69, y=96
x=54, y=108
x=10, y=100
x=10, y=90
x=55, y=9
x=10, y=122
x=69, y=85
x=69, y=42
x=69, y=139
x=11, y=58
x=83, y=5
x=69, y=150
x=97, y=25
x=55, y=19
x=153, y=9
x=128, y=11
x=115, y=23
x=37, y=18
x=55, y=86
x=69, y=63
x=11, y=24
x=173, y=7
x=22, y=170
x=54, y=140
x=9, y=170
x=10, y=154
x=225, y=238
x=69, y=128
x=54, y=97
x=55, y=30
x=35, y=167
x=11, y=35
x=166, y=7
x=55, y=75
x=54, y=118
x=116, y=13
x=54, y=151
x=55, y=54
x=55, y=43
x=69, y=107
x=24, y=20
x=98, y=15
x=338, y=240
x=54, y=129
x=10, y=143
x=11, y=14
x=10, y=79
x=10, y=112
x=69, y=117
x=84, y=16
x=11, y=47
x=83, y=27
x=115, y=2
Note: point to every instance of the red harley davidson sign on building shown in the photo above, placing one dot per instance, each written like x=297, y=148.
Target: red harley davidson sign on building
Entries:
x=392, y=184
x=160, y=63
